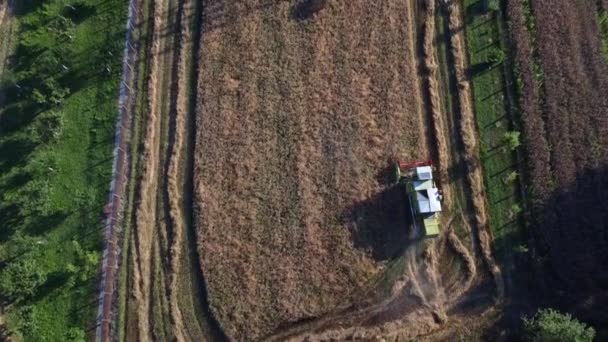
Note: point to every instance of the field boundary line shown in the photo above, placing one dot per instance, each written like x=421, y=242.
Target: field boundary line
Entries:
x=114, y=208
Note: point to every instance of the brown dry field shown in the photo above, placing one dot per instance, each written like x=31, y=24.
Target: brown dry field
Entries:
x=297, y=123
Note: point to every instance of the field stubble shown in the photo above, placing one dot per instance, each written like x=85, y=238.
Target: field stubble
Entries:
x=292, y=144
x=295, y=216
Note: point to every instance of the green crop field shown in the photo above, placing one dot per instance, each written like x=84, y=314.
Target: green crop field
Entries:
x=56, y=139
x=490, y=79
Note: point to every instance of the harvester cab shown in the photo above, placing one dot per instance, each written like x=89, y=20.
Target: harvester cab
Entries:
x=424, y=196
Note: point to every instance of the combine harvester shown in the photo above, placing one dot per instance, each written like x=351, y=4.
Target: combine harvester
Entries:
x=423, y=194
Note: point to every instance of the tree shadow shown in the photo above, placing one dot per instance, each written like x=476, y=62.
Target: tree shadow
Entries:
x=478, y=8
x=569, y=236
x=306, y=9
x=79, y=12
x=15, y=152
x=24, y=7
x=478, y=69
x=40, y=224
x=54, y=281
x=10, y=216
x=381, y=223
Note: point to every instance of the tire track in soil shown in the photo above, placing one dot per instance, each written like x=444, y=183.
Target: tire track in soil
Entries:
x=159, y=289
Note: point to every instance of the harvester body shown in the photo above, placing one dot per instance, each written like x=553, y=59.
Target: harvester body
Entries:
x=424, y=196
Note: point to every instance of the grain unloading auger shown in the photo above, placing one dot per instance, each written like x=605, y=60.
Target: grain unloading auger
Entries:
x=423, y=194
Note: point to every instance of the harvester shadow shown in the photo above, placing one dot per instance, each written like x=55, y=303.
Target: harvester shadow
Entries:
x=380, y=224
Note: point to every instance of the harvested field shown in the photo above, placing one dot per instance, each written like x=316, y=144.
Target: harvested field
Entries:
x=293, y=141
x=565, y=128
x=297, y=122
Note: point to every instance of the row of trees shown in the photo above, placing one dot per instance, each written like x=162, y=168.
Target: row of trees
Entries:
x=549, y=325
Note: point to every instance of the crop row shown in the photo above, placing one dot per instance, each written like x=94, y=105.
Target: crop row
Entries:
x=563, y=79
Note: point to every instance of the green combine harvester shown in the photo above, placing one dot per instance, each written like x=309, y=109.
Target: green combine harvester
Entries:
x=424, y=196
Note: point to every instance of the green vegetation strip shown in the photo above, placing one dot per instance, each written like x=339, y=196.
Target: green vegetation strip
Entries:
x=485, y=33
x=56, y=137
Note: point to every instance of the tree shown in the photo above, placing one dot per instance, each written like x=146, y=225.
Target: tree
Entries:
x=86, y=264
x=75, y=335
x=490, y=5
x=515, y=210
x=549, y=325
x=511, y=177
x=512, y=138
x=496, y=55
x=493, y=5
x=21, y=278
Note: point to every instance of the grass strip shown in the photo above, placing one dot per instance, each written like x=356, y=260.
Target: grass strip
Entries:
x=487, y=47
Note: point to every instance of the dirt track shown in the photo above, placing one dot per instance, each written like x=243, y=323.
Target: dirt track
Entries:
x=175, y=190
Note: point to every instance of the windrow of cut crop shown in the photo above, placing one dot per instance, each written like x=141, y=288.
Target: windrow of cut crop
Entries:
x=433, y=82
x=469, y=262
x=178, y=111
x=145, y=215
x=175, y=175
x=468, y=130
x=576, y=116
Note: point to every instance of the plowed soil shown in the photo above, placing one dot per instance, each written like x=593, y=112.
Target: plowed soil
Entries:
x=296, y=126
